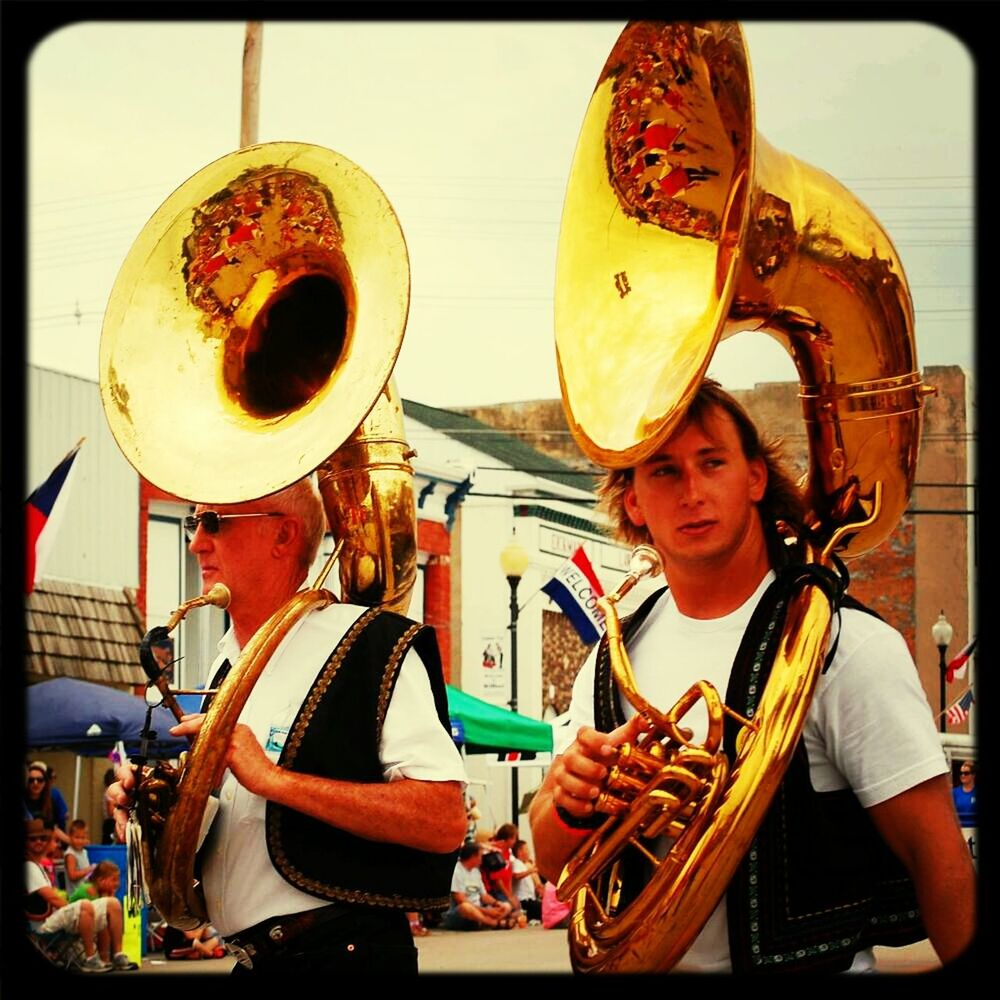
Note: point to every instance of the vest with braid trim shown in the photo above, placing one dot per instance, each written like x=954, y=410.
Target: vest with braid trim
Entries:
x=818, y=883
x=336, y=734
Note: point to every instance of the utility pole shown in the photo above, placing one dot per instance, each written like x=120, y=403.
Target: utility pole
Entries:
x=251, y=83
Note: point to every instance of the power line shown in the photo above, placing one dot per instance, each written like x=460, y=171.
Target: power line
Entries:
x=497, y=190
x=497, y=291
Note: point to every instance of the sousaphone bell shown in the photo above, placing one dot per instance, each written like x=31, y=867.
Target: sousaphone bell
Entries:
x=250, y=340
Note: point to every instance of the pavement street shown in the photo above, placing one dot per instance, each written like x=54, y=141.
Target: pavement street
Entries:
x=528, y=950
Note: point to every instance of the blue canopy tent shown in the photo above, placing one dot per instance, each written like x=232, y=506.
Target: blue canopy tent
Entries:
x=480, y=727
x=90, y=719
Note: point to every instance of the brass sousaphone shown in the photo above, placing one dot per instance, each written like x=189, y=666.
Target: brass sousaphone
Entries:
x=250, y=340
x=682, y=226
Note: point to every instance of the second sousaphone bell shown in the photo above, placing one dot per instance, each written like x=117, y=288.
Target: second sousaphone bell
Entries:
x=682, y=226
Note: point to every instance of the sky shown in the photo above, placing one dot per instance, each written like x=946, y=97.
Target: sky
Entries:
x=470, y=128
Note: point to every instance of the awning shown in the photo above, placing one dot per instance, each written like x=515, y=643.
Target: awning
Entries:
x=89, y=719
x=484, y=728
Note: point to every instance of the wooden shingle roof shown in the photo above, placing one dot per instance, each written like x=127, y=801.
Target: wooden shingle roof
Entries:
x=84, y=631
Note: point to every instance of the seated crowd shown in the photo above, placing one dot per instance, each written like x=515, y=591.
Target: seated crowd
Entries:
x=92, y=915
x=496, y=885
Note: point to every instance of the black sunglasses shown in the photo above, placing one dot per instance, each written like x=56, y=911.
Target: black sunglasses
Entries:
x=211, y=520
x=36, y=781
x=38, y=836
x=965, y=772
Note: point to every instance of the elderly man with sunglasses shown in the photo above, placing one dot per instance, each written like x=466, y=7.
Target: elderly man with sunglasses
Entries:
x=342, y=806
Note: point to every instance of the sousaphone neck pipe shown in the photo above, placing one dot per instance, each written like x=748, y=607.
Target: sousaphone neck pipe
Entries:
x=218, y=595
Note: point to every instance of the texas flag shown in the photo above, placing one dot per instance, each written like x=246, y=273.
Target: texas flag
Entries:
x=44, y=510
x=956, y=667
x=575, y=588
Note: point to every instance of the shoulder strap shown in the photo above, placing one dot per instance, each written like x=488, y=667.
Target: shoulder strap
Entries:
x=608, y=712
x=846, y=601
x=759, y=645
x=216, y=681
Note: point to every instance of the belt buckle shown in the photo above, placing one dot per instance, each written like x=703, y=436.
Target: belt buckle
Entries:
x=242, y=955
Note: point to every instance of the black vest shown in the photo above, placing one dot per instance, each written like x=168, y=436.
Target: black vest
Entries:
x=818, y=883
x=336, y=734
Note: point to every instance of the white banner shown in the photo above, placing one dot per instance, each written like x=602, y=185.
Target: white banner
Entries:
x=494, y=674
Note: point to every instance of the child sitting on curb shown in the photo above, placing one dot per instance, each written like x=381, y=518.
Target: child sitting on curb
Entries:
x=97, y=923
x=78, y=865
x=106, y=879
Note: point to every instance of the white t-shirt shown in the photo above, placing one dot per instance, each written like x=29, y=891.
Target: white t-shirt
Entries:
x=242, y=887
x=470, y=882
x=869, y=726
x=524, y=888
x=82, y=863
x=35, y=879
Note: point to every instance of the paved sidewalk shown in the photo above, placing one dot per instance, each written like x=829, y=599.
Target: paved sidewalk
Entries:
x=531, y=950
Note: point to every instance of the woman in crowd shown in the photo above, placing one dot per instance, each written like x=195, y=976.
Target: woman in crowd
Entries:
x=42, y=801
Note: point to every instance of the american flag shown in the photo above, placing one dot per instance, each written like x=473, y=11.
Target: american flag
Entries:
x=959, y=712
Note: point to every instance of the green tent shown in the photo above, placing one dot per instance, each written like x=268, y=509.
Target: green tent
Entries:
x=484, y=728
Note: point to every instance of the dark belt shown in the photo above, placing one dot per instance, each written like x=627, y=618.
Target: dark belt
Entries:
x=275, y=934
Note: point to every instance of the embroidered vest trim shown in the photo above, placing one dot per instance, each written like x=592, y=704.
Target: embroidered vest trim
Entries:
x=336, y=734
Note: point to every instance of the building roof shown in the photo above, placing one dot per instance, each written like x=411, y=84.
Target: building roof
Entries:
x=84, y=631
x=495, y=443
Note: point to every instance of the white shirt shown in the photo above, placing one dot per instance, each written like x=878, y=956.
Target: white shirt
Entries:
x=869, y=726
x=82, y=863
x=241, y=885
x=524, y=888
x=468, y=881
x=35, y=879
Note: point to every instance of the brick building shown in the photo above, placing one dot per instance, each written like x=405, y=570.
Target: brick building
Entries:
x=928, y=564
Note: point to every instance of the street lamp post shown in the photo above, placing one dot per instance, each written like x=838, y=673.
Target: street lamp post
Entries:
x=942, y=632
x=513, y=561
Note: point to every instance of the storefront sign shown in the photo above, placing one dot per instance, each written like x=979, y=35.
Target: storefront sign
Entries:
x=563, y=543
